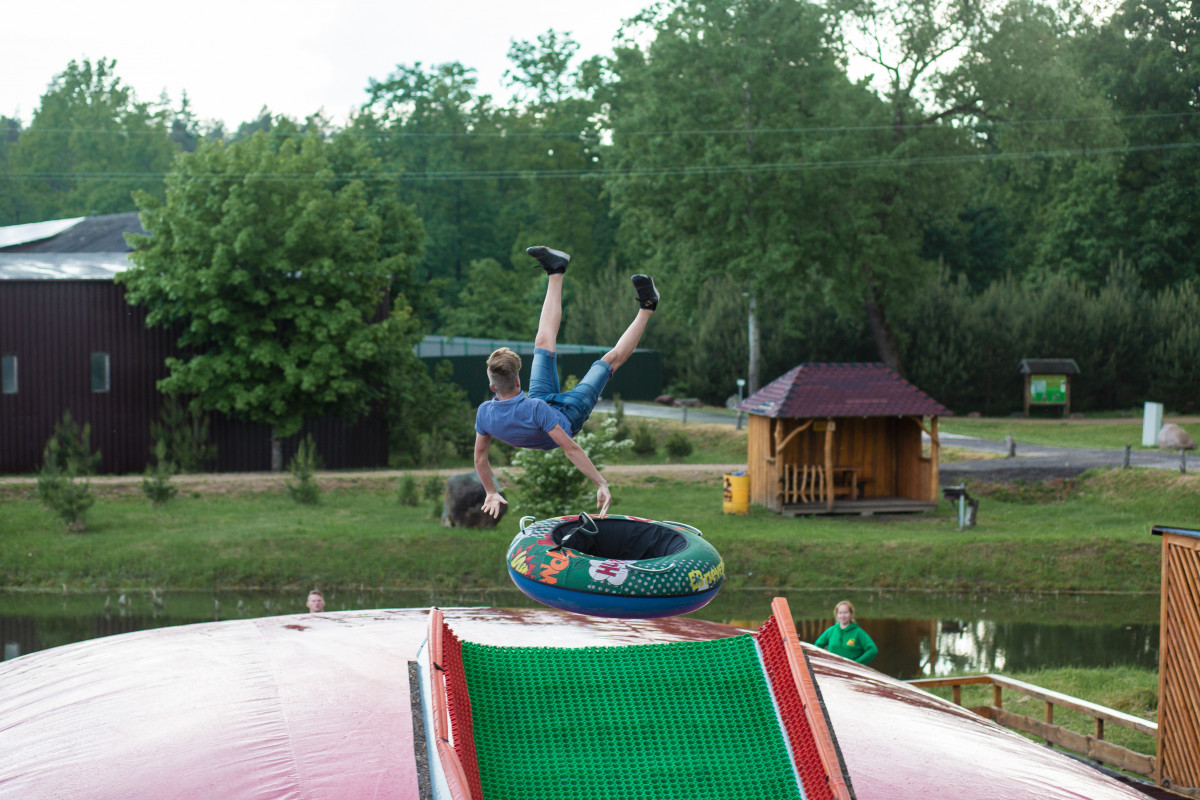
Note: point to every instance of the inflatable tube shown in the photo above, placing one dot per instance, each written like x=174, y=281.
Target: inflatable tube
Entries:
x=618, y=566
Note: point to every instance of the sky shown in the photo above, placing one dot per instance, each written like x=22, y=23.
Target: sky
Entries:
x=295, y=57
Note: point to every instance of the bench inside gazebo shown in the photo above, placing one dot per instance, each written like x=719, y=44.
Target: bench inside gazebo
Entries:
x=842, y=439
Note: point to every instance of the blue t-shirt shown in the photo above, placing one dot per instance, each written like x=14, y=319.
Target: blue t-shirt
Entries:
x=521, y=421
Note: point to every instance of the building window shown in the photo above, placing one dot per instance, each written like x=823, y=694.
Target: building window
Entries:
x=101, y=373
x=8, y=374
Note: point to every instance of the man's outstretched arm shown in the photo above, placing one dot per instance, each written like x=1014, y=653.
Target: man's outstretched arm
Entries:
x=576, y=456
x=483, y=468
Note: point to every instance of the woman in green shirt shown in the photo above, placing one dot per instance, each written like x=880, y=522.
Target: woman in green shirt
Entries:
x=845, y=638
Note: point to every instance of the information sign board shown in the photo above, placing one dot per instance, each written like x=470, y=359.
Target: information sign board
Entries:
x=1048, y=389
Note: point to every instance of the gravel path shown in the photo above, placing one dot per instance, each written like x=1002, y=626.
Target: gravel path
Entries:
x=1039, y=462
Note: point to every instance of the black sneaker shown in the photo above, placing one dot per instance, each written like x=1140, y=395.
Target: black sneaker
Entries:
x=553, y=261
x=647, y=294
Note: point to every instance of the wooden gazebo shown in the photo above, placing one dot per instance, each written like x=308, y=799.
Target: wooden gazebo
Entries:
x=842, y=439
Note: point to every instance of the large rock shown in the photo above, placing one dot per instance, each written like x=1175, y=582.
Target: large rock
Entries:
x=463, y=499
x=1173, y=437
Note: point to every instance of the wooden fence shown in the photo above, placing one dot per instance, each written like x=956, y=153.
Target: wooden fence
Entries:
x=1092, y=746
x=1179, y=661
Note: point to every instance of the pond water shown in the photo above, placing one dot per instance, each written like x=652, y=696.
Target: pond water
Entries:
x=919, y=634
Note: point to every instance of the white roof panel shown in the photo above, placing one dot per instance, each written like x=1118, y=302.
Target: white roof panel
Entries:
x=35, y=231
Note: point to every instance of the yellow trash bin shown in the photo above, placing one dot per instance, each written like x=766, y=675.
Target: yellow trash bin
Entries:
x=737, y=493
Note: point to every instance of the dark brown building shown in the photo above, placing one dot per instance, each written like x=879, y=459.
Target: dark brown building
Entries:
x=69, y=341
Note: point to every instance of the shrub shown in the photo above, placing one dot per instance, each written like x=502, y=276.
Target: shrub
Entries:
x=550, y=485
x=303, y=487
x=156, y=483
x=434, y=491
x=619, y=416
x=406, y=494
x=65, y=493
x=645, y=443
x=66, y=463
x=71, y=447
x=429, y=418
x=435, y=447
x=678, y=445
x=184, y=432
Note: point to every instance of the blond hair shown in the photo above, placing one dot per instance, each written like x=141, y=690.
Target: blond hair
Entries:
x=848, y=605
x=503, y=367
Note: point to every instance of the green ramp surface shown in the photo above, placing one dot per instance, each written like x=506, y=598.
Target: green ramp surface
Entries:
x=678, y=720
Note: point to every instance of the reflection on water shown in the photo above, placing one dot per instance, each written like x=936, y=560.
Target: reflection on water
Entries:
x=918, y=634
x=910, y=648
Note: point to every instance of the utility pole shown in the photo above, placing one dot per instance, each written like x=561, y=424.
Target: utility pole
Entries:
x=755, y=347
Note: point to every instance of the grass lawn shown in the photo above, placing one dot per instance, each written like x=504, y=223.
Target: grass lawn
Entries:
x=1089, y=534
x=1133, y=691
x=711, y=443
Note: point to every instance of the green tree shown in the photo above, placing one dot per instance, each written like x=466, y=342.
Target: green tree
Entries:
x=265, y=122
x=553, y=138
x=429, y=417
x=430, y=128
x=495, y=303
x=156, y=481
x=1145, y=59
x=70, y=448
x=1051, y=141
x=67, y=462
x=719, y=127
x=183, y=433
x=11, y=189
x=185, y=128
x=303, y=486
x=915, y=182
x=489, y=181
x=272, y=259
x=1175, y=357
x=91, y=144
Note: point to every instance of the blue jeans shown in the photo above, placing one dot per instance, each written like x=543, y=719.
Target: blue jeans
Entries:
x=578, y=403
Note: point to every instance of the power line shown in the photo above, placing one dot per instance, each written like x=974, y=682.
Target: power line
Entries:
x=601, y=174
x=649, y=133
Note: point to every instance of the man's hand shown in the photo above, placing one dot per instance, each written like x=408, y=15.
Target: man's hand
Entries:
x=491, y=504
x=603, y=500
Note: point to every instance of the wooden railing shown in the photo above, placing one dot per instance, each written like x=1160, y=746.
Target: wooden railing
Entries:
x=1092, y=746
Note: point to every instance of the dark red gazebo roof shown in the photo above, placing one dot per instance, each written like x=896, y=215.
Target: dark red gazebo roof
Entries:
x=841, y=390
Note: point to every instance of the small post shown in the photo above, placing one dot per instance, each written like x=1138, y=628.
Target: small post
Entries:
x=1011, y=444
x=1183, y=462
x=684, y=414
x=741, y=383
x=1125, y=460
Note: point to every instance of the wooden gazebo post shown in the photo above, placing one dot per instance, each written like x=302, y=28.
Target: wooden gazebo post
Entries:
x=830, y=425
x=935, y=447
x=934, y=453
